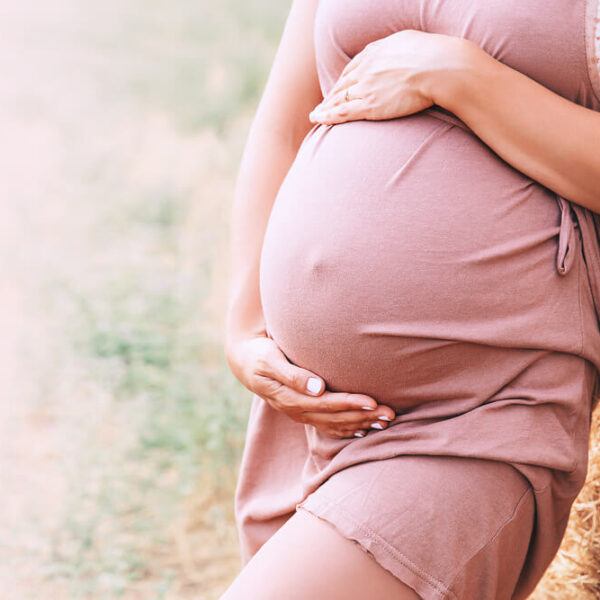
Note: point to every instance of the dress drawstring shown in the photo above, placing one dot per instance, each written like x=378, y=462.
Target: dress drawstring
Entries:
x=565, y=257
x=589, y=228
x=588, y=223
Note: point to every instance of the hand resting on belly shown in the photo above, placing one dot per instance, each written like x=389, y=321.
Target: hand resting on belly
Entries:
x=264, y=369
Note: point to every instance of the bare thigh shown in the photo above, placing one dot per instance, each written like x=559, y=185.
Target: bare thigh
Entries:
x=308, y=559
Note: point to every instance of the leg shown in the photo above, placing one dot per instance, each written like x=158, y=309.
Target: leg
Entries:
x=308, y=559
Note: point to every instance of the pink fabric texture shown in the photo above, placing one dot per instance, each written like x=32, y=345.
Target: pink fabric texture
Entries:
x=406, y=260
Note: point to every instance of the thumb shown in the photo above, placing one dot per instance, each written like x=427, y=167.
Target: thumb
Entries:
x=297, y=378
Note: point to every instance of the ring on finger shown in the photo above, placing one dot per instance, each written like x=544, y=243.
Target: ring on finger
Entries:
x=347, y=97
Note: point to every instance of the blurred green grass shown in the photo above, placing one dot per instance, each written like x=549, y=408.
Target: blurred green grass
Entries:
x=151, y=127
x=201, y=62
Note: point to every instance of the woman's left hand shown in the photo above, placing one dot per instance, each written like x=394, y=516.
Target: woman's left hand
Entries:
x=392, y=77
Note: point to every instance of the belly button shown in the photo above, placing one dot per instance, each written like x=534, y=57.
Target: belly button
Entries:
x=315, y=262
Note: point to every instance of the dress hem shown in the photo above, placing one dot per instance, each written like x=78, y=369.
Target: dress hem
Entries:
x=424, y=584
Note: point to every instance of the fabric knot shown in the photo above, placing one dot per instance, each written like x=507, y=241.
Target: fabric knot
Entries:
x=565, y=256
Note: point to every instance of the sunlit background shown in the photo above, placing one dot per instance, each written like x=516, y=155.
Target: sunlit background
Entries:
x=122, y=126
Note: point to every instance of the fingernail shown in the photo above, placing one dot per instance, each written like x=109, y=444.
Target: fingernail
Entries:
x=376, y=425
x=313, y=385
x=359, y=434
x=384, y=418
x=367, y=408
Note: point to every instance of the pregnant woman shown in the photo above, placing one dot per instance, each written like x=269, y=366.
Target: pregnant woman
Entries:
x=415, y=298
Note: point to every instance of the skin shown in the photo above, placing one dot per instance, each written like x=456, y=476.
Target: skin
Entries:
x=307, y=544
x=555, y=143
x=279, y=126
x=395, y=76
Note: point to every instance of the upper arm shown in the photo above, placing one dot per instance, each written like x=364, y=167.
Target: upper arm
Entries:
x=292, y=89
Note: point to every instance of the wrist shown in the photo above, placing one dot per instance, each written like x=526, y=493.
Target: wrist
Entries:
x=234, y=338
x=236, y=335
x=244, y=317
x=459, y=82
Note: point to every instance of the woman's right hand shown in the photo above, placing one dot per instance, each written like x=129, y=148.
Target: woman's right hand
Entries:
x=264, y=369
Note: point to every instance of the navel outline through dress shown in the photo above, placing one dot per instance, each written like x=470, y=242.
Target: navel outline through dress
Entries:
x=548, y=389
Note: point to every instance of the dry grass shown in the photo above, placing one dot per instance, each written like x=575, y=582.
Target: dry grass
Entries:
x=575, y=572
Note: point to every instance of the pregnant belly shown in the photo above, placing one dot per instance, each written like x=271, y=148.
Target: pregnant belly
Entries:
x=401, y=253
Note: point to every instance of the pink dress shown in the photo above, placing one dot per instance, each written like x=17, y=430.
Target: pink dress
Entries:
x=406, y=260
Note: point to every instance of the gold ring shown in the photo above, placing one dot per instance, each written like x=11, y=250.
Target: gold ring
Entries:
x=347, y=98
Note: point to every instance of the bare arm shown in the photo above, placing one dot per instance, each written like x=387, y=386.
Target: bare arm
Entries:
x=551, y=139
x=280, y=124
x=540, y=133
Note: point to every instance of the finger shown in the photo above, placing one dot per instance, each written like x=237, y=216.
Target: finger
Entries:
x=340, y=433
x=276, y=366
x=357, y=90
x=352, y=110
x=334, y=433
x=328, y=402
x=353, y=78
x=354, y=62
x=338, y=92
x=339, y=97
x=345, y=420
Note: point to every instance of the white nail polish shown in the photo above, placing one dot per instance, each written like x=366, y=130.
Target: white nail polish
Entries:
x=384, y=418
x=313, y=385
x=367, y=408
x=359, y=434
x=376, y=425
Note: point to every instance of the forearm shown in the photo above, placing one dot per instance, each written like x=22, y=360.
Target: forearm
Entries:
x=267, y=157
x=549, y=138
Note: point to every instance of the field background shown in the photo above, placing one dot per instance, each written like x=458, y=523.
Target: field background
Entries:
x=122, y=125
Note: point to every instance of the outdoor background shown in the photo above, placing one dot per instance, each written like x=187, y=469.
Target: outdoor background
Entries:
x=122, y=124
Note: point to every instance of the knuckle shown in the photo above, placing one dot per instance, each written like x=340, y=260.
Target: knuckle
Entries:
x=274, y=388
x=262, y=365
x=268, y=384
x=299, y=417
x=286, y=402
x=259, y=382
x=370, y=99
x=370, y=112
x=349, y=400
x=294, y=379
x=327, y=430
x=341, y=420
x=322, y=403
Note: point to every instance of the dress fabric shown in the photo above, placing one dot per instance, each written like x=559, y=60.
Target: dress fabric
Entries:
x=406, y=260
